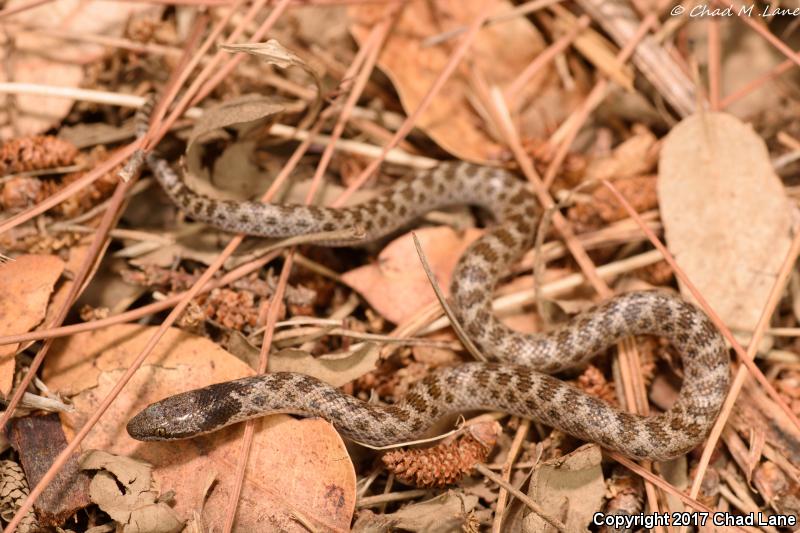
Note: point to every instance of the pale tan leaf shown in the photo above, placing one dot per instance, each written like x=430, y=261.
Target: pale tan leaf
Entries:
x=726, y=216
x=26, y=285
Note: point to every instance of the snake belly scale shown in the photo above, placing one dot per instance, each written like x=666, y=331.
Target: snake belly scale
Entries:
x=518, y=380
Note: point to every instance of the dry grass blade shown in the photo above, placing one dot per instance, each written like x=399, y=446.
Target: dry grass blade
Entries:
x=462, y=336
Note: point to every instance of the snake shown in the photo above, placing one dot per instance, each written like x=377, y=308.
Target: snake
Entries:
x=517, y=376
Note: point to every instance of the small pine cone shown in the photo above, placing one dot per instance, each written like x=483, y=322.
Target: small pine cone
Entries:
x=90, y=196
x=20, y=192
x=13, y=491
x=593, y=382
x=35, y=153
x=445, y=463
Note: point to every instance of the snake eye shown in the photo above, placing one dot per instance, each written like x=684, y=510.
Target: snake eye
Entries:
x=161, y=432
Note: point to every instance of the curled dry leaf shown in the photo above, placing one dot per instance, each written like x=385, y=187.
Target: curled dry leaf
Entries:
x=726, y=215
x=25, y=288
x=570, y=487
x=276, y=54
x=233, y=112
x=396, y=286
x=456, y=114
x=123, y=488
x=308, y=452
x=334, y=369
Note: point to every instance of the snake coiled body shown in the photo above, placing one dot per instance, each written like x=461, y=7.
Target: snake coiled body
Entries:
x=516, y=382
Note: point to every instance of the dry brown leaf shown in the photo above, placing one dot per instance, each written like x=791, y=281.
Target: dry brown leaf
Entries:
x=296, y=468
x=25, y=288
x=396, y=286
x=233, y=112
x=726, y=215
x=274, y=53
x=570, y=487
x=58, y=62
x=446, y=512
x=123, y=488
x=452, y=120
x=334, y=369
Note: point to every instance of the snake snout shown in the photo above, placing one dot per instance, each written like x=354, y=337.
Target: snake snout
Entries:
x=170, y=419
x=145, y=426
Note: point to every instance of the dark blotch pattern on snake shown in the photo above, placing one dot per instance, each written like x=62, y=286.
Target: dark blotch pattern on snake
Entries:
x=516, y=383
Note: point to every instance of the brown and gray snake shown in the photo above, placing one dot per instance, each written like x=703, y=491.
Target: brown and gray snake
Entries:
x=517, y=382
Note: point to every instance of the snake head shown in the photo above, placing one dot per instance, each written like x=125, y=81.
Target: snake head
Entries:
x=191, y=413
x=176, y=417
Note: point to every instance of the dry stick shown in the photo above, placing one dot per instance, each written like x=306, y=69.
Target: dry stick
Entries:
x=448, y=311
x=595, y=97
x=232, y=62
x=212, y=65
x=406, y=127
x=757, y=83
x=745, y=357
x=20, y=8
x=770, y=37
x=535, y=507
x=502, y=497
x=396, y=155
x=714, y=63
x=381, y=499
x=186, y=70
x=70, y=189
x=666, y=487
x=367, y=55
x=541, y=60
x=94, y=38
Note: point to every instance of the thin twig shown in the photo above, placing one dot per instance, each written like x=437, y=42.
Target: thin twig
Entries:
x=462, y=336
x=535, y=507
